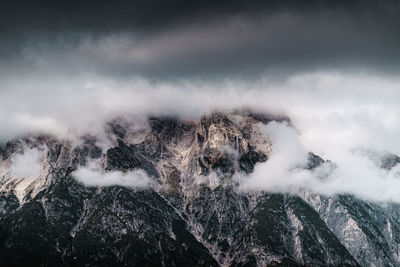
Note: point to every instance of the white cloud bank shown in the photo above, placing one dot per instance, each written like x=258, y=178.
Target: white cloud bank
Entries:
x=28, y=164
x=326, y=107
x=93, y=175
x=351, y=173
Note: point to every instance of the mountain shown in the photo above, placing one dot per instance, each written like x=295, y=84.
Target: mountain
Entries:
x=193, y=214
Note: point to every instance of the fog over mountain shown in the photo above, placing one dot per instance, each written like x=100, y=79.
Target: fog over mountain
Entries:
x=98, y=76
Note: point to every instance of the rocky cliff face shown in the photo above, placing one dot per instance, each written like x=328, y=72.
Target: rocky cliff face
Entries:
x=193, y=214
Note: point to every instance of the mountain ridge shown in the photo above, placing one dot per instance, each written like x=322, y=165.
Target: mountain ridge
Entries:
x=193, y=214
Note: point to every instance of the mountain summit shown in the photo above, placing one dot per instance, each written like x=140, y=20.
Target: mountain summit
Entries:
x=173, y=198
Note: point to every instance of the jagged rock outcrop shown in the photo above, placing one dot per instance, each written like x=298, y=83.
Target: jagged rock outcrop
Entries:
x=193, y=214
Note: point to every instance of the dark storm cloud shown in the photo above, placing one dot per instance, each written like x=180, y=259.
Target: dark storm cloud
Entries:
x=102, y=16
x=169, y=39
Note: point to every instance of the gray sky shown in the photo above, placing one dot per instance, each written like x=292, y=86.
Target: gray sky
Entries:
x=331, y=66
x=201, y=39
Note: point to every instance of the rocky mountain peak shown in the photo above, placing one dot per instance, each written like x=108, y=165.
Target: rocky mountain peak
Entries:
x=192, y=213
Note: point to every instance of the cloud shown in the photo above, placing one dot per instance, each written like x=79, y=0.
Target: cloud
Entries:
x=203, y=38
x=28, y=164
x=331, y=110
x=93, y=175
x=282, y=42
x=331, y=67
x=353, y=172
x=38, y=124
x=287, y=160
x=326, y=107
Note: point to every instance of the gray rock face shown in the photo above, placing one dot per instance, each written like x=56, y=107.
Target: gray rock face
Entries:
x=194, y=213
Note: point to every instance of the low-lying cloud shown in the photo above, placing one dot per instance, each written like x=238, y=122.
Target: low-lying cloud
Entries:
x=328, y=108
x=94, y=175
x=353, y=172
x=28, y=164
x=288, y=157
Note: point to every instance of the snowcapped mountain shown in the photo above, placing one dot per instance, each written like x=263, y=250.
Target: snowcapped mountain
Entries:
x=190, y=211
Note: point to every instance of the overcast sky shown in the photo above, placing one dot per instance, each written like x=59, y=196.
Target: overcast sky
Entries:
x=331, y=66
x=203, y=39
x=68, y=64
